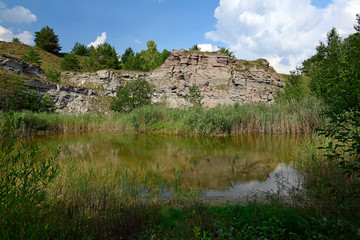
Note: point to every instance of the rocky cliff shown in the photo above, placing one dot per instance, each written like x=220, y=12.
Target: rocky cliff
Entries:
x=220, y=81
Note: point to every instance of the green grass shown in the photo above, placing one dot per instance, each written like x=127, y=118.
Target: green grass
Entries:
x=17, y=50
x=285, y=118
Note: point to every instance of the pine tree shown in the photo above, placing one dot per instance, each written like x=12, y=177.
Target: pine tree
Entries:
x=47, y=40
x=32, y=56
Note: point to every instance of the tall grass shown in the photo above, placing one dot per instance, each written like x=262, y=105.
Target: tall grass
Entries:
x=328, y=189
x=281, y=118
x=285, y=118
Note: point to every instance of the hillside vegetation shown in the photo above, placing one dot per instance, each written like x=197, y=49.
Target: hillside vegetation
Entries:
x=17, y=50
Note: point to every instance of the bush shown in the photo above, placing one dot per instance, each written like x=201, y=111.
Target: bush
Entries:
x=16, y=95
x=295, y=88
x=70, y=63
x=194, y=97
x=53, y=75
x=32, y=56
x=135, y=94
x=25, y=175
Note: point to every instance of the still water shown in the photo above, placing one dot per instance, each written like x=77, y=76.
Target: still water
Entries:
x=223, y=167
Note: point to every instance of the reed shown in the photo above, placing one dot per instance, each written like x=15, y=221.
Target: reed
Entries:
x=280, y=118
x=327, y=188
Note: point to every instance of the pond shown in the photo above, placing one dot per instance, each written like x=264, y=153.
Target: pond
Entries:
x=215, y=167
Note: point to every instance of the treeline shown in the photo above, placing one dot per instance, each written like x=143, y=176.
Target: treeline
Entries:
x=103, y=56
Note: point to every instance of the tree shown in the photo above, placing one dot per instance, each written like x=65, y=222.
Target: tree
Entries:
x=32, y=56
x=165, y=54
x=152, y=58
x=103, y=56
x=16, y=40
x=127, y=54
x=194, y=97
x=135, y=94
x=80, y=49
x=294, y=89
x=47, y=40
x=334, y=73
x=70, y=63
x=194, y=48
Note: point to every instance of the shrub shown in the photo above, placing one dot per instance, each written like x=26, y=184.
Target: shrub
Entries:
x=16, y=40
x=16, y=95
x=135, y=94
x=25, y=174
x=295, y=88
x=32, y=56
x=194, y=97
x=70, y=63
x=53, y=75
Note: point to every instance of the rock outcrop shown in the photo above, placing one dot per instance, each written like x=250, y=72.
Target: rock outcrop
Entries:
x=220, y=81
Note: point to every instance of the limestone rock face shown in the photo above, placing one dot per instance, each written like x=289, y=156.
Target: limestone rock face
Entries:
x=12, y=65
x=220, y=81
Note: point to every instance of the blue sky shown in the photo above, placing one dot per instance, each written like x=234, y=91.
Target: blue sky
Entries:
x=284, y=32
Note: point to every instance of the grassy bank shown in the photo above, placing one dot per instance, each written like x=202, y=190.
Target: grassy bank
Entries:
x=285, y=118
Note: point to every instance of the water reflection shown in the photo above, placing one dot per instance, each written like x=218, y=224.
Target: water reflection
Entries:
x=218, y=167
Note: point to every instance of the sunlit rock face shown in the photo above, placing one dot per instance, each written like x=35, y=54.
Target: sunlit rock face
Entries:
x=220, y=81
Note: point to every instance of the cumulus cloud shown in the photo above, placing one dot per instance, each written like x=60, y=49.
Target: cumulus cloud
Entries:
x=17, y=14
x=284, y=32
x=99, y=40
x=7, y=35
x=207, y=48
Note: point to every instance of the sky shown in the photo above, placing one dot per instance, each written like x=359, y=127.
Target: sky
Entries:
x=285, y=32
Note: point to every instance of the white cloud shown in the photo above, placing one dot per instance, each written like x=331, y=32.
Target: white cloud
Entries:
x=7, y=35
x=17, y=14
x=207, y=48
x=284, y=32
x=137, y=41
x=99, y=40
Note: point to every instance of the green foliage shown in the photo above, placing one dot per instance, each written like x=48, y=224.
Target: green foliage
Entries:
x=152, y=57
x=47, y=40
x=16, y=95
x=70, y=63
x=145, y=60
x=135, y=94
x=165, y=54
x=16, y=40
x=194, y=48
x=80, y=49
x=103, y=56
x=334, y=73
x=229, y=53
x=32, y=56
x=294, y=90
x=25, y=175
x=194, y=97
x=125, y=58
x=53, y=75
